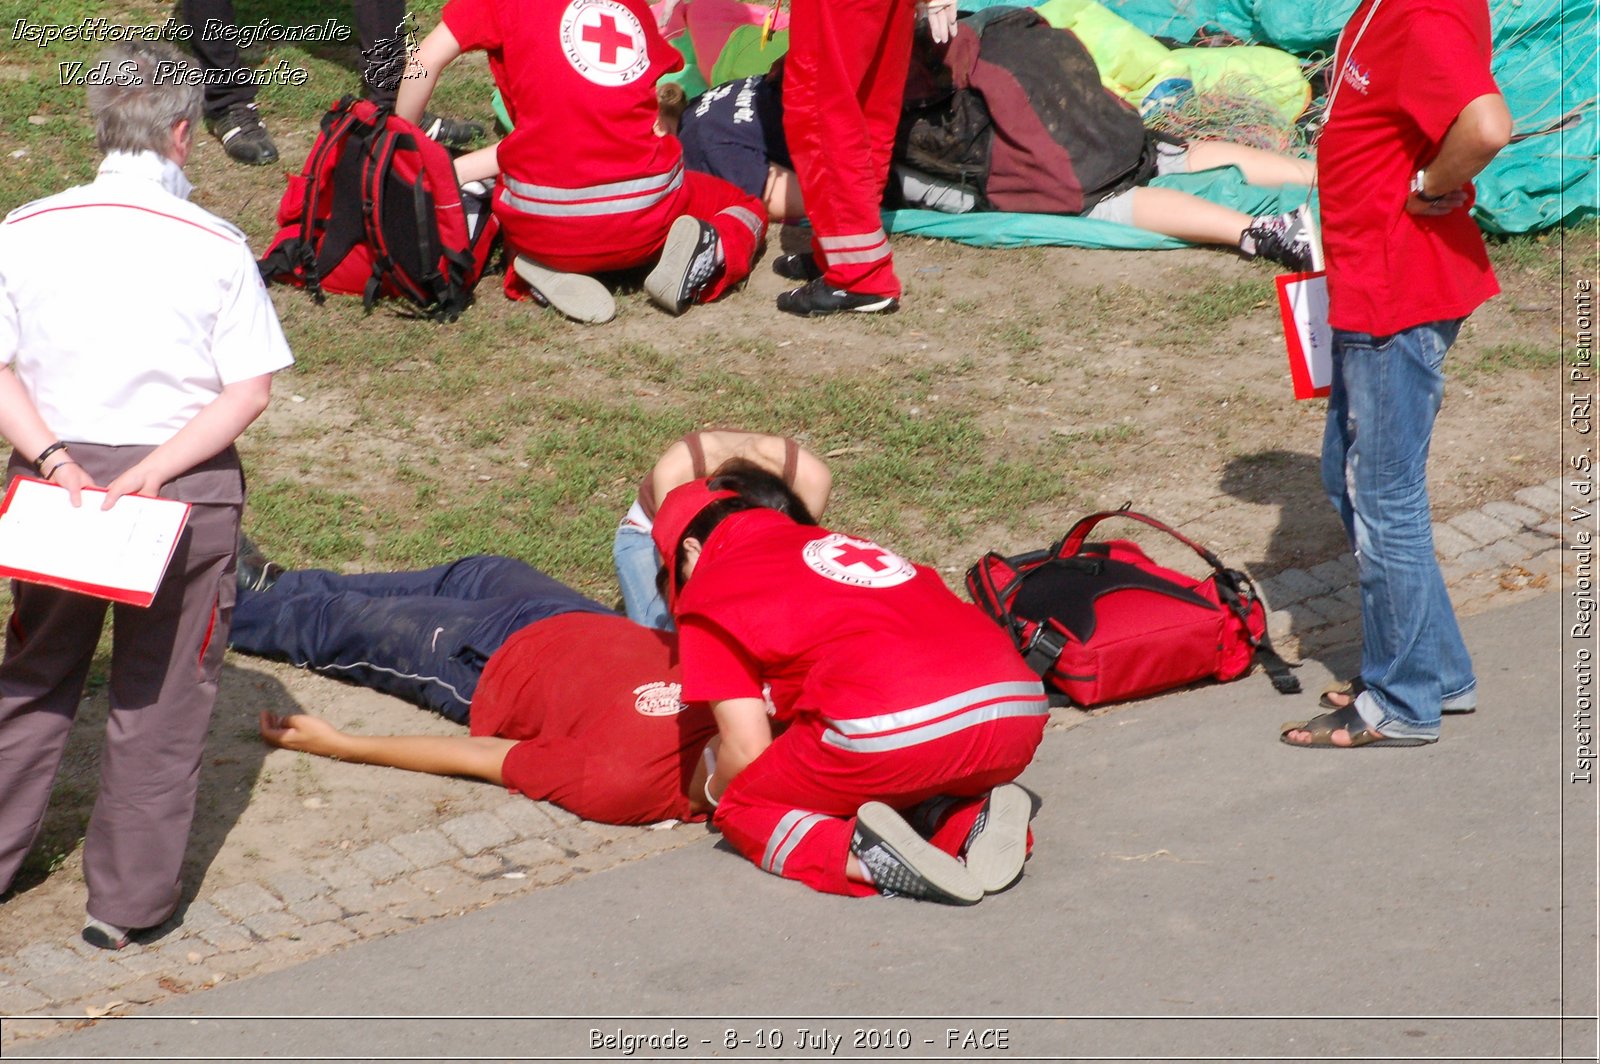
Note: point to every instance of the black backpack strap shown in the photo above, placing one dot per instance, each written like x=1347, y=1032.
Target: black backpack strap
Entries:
x=1232, y=586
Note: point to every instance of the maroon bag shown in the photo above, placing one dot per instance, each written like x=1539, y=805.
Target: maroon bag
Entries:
x=377, y=212
x=1101, y=622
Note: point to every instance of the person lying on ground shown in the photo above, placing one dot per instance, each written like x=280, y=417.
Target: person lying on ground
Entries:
x=896, y=699
x=584, y=183
x=735, y=131
x=692, y=458
x=566, y=701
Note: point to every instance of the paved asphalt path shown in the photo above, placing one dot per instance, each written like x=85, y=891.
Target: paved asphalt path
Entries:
x=1199, y=891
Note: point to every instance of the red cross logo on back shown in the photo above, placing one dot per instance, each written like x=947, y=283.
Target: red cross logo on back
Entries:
x=853, y=554
x=605, y=34
x=605, y=42
x=856, y=562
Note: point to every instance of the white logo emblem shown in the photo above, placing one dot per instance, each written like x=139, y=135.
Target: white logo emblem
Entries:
x=857, y=562
x=604, y=41
x=658, y=699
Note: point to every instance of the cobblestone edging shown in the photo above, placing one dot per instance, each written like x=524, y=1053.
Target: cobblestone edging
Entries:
x=520, y=845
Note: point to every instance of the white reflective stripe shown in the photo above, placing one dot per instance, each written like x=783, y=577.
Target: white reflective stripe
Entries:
x=844, y=257
x=906, y=718
x=746, y=218
x=929, y=732
x=786, y=836
x=631, y=187
x=589, y=202
x=351, y=666
x=853, y=240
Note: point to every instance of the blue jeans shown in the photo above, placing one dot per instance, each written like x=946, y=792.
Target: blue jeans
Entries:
x=1386, y=392
x=423, y=637
x=637, y=563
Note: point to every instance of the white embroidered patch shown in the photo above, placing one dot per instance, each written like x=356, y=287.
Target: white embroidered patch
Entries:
x=857, y=562
x=658, y=699
x=604, y=41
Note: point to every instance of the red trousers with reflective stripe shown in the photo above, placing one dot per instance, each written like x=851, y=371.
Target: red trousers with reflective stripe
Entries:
x=843, y=84
x=792, y=811
x=600, y=243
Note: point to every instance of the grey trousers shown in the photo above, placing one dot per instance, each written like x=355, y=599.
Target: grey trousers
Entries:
x=165, y=661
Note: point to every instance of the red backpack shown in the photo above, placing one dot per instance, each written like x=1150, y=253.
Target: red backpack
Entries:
x=1101, y=622
x=377, y=212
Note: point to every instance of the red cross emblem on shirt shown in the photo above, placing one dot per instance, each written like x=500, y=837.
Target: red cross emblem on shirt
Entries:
x=849, y=554
x=609, y=39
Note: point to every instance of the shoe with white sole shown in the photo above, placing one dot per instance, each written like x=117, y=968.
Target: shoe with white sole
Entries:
x=689, y=260
x=902, y=862
x=577, y=295
x=998, y=843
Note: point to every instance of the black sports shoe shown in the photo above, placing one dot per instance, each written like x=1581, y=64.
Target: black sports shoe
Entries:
x=255, y=572
x=797, y=267
x=688, y=260
x=902, y=862
x=451, y=132
x=998, y=842
x=815, y=298
x=1287, y=239
x=244, y=136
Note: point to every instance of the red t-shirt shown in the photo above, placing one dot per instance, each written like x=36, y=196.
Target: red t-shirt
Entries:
x=578, y=79
x=1418, y=64
x=838, y=626
x=595, y=700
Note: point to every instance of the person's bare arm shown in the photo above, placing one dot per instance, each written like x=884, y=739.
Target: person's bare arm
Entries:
x=1479, y=132
x=438, y=50
x=474, y=756
x=218, y=424
x=745, y=731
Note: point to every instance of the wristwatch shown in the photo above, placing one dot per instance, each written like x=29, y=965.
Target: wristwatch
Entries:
x=1417, y=187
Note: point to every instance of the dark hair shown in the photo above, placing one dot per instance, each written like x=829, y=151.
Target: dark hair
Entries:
x=758, y=488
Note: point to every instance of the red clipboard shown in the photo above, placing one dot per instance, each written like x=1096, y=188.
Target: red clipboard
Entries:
x=1303, y=308
x=121, y=556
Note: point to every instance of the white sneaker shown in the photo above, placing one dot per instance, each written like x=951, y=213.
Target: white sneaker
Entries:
x=577, y=295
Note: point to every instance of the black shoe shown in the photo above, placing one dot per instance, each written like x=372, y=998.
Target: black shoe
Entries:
x=1286, y=239
x=688, y=260
x=798, y=267
x=451, y=132
x=997, y=845
x=255, y=571
x=815, y=299
x=244, y=136
x=102, y=935
x=902, y=862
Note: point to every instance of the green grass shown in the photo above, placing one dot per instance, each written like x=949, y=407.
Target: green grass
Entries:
x=1218, y=302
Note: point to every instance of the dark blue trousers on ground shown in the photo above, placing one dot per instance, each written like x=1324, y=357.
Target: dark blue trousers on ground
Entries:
x=422, y=636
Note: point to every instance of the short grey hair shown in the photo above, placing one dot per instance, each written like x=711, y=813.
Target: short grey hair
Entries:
x=146, y=89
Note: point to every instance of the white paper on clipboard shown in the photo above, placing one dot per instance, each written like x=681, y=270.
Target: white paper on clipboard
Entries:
x=119, y=554
x=1303, y=306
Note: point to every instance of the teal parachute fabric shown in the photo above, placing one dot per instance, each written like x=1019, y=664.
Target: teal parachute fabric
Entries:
x=1544, y=61
x=998, y=229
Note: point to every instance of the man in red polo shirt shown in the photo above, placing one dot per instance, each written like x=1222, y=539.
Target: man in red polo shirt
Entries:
x=1415, y=117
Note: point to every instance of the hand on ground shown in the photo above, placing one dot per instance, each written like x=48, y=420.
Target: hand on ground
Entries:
x=298, y=731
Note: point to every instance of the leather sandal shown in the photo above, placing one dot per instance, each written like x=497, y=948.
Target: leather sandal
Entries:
x=1324, y=725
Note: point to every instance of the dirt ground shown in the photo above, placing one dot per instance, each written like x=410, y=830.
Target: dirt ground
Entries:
x=1183, y=410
